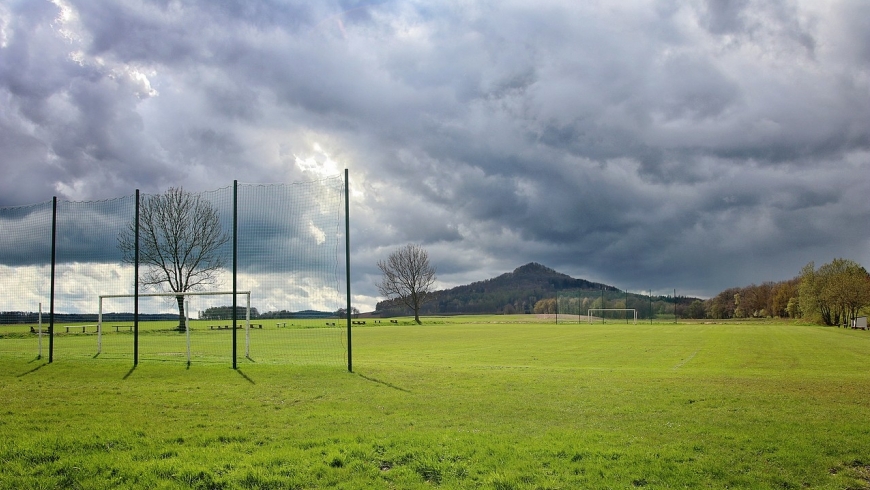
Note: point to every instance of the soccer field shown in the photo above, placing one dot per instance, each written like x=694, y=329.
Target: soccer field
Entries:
x=468, y=402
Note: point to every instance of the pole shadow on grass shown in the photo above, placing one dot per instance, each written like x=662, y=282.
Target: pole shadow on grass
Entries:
x=37, y=368
x=245, y=376
x=132, y=369
x=388, y=385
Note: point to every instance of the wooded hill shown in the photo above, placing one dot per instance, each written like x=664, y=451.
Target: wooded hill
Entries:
x=529, y=286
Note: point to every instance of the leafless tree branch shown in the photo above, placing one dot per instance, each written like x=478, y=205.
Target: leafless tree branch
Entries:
x=407, y=277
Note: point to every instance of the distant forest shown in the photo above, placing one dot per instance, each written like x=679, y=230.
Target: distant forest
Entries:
x=10, y=317
x=216, y=313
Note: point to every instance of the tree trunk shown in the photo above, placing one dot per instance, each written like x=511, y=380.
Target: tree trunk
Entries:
x=416, y=302
x=182, y=324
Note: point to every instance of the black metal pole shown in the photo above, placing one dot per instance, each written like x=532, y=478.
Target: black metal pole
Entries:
x=51, y=301
x=650, y=307
x=235, y=262
x=557, y=306
x=136, y=284
x=602, y=304
x=675, y=305
x=347, y=267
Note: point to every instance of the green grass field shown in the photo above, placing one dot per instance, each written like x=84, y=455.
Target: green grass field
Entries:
x=464, y=402
x=305, y=341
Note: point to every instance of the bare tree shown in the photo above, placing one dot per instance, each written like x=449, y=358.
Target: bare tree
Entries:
x=407, y=277
x=180, y=238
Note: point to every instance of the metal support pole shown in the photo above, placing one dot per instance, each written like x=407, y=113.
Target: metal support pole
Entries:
x=53, y=263
x=187, y=327
x=40, y=331
x=347, y=266
x=248, y=327
x=602, y=304
x=136, y=285
x=235, y=264
x=100, y=326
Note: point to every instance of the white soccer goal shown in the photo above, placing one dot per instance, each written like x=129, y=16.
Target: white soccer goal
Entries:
x=187, y=313
x=589, y=312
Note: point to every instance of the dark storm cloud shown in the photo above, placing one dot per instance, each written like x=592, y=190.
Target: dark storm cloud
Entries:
x=25, y=235
x=647, y=144
x=86, y=231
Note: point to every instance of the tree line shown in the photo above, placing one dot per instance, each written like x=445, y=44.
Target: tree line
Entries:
x=834, y=294
x=25, y=317
x=213, y=313
x=226, y=313
x=581, y=301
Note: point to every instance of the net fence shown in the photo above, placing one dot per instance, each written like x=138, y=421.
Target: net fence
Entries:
x=585, y=305
x=289, y=254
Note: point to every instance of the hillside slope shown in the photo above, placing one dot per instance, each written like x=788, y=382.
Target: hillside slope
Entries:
x=512, y=292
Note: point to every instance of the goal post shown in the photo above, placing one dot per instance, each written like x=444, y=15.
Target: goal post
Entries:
x=187, y=314
x=602, y=310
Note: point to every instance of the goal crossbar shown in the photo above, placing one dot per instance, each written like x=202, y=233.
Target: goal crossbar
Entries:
x=186, y=327
x=589, y=312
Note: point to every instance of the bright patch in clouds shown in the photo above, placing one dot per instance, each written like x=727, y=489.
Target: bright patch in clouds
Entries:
x=317, y=233
x=318, y=165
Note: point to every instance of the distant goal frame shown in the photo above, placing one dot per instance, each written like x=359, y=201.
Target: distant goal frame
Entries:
x=590, y=310
x=187, y=314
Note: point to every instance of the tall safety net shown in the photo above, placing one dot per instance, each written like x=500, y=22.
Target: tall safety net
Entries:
x=88, y=262
x=25, y=279
x=289, y=256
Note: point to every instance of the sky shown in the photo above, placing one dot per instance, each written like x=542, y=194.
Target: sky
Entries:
x=650, y=145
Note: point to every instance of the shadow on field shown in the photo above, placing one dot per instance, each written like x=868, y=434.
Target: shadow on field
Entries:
x=245, y=376
x=389, y=385
x=132, y=369
x=37, y=368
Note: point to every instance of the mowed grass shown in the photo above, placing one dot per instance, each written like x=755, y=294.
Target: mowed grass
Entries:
x=471, y=402
x=301, y=341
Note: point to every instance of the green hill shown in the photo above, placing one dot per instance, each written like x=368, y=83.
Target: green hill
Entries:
x=512, y=292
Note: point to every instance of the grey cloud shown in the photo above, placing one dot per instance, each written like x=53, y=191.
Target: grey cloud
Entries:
x=723, y=16
x=856, y=31
x=25, y=234
x=175, y=34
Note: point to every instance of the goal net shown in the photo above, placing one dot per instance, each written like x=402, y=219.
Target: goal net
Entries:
x=612, y=314
x=165, y=336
